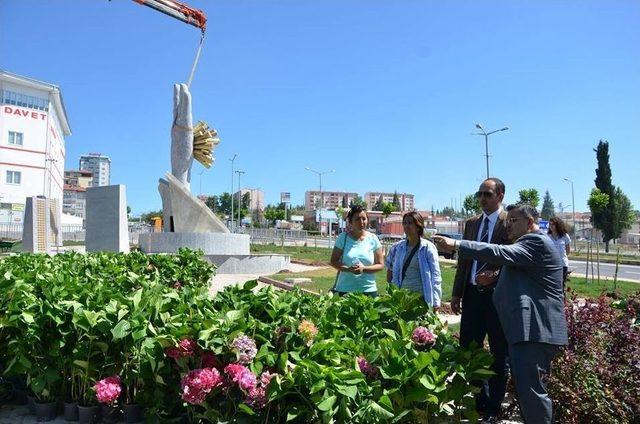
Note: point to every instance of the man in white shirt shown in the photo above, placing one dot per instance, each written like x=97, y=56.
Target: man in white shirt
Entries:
x=479, y=317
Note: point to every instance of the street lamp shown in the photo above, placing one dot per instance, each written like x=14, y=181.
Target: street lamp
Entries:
x=486, y=141
x=320, y=174
x=573, y=206
x=239, y=194
x=232, y=160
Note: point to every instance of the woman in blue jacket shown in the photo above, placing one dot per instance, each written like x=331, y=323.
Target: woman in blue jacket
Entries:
x=412, y=263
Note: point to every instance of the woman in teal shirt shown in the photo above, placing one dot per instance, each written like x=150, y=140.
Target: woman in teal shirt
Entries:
x=357, y=256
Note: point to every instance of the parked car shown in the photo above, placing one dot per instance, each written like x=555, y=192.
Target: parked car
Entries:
x=456, y=236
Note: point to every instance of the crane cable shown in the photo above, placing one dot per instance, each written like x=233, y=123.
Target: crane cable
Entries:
x=195, y=62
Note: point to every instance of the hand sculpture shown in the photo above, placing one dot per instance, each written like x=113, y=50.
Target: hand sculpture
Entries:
x=182, y=135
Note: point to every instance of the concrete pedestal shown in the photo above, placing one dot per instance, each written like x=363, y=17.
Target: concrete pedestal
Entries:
x=106, y=223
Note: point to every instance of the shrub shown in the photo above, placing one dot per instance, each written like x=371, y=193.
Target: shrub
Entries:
x=596, y=378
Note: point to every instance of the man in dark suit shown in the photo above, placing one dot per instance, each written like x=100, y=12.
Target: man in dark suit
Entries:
x=479, y=318
x=529, y=299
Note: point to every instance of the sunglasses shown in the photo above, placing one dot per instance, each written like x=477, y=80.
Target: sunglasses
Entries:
x=486, y=194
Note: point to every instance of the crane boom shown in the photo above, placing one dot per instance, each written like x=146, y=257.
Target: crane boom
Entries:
x=178, y=10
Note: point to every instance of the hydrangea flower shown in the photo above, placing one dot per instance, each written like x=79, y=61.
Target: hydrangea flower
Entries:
x=108, y=389
x=423, y=337
x=368, y=369
x=245, y=348
x=308, y=331
x=266, y=377
x=197, y=384
x=210, y=360
x=187, y=347
x=241, y=375
x=256, y=398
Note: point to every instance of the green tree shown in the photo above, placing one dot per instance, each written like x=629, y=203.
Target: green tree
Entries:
x=548, y=208
x=447, y=211
x=604, y=218
x=148, y=216
x=396, y=201
x=624, y=214
x=358, y=201
x=246, y=200
x=273, y=213
x=387, y=209
x=471, y=205
x=224, y=203
x=378, y=205
x=212, y=203
x=529, y=196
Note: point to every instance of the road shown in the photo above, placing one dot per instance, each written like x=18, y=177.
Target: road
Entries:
x=625, y=272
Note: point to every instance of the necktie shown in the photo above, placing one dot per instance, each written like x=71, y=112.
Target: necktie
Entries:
x=484, y=238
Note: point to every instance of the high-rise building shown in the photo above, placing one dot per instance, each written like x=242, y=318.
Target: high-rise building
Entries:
x=100, y=167
x=78, y=178
x=33, y=124
x=74, y=201
x=406, y=200
x=256, y=198
x=330, y=199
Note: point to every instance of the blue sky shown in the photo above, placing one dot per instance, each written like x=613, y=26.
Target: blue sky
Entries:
x=387, y=93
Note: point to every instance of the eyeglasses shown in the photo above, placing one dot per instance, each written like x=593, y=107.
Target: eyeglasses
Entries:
x=480, y=194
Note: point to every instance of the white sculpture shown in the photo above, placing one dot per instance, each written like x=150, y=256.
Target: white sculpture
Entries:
x=182, y=211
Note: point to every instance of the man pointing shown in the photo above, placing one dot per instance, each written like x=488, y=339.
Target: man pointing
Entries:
x=529, y=301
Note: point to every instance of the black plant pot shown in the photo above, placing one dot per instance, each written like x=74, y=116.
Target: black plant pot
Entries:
x=46, y=411
x=110, y=414
x=31, y=404
x=71, y=411
x=88, y=414
x=132, y=413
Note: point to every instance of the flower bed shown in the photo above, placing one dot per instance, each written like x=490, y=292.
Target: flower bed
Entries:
x=122, y=329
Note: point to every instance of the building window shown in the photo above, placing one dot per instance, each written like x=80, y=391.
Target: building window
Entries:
x=12, y=98
x=15, y=138
x=14, y=177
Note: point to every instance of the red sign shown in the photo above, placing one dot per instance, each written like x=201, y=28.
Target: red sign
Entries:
x=24, y=113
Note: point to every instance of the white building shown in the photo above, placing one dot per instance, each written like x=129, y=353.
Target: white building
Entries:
x=33, y=124
x=406, y=200
x=100, y=167
x=256, y=198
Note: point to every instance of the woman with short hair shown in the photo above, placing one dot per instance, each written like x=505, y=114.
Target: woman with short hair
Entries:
x=357, y=255
x=412, y=263
x=559, y=233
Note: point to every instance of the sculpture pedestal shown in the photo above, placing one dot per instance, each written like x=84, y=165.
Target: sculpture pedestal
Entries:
x=230, y=253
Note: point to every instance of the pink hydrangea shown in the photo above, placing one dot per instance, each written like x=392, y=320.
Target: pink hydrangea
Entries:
x=308, y=331
x=241, y=375
x=266, y=377
x=368, y=369
x=210, y=360
x=187, y=347
x=423, y=337
x=256, y=398
x=197, y=384
x=108, y=389
x=245, y=348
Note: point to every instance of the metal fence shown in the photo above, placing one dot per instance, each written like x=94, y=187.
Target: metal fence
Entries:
x=69, y=232
x=274, y=235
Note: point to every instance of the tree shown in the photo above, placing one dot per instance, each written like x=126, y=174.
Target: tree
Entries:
x=448, y=211
x=396, y=201
x=624, y=214
x=246, y=200
x=471, y=205
x=148, y=216
x=357, y=200
x=378, y=205
x=212, y=203
x=273, y=213
x=604, y=218
x=224, y=203
x=387, y=209
x=529, y=196
x=548, y=208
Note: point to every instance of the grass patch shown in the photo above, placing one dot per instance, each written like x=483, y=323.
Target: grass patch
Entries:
x=307, y=254
x=323, y=279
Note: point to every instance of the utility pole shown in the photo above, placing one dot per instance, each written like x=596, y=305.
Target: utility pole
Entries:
x=235, y=155
x=486, y=141
x=239, y=196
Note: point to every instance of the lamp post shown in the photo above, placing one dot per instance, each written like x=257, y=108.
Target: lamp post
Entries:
x=320, y=174
x=239, y=195
x=232, y=160
x=573, y=206
x=486, y=141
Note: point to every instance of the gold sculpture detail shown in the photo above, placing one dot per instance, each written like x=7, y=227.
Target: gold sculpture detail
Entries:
x=205, y=139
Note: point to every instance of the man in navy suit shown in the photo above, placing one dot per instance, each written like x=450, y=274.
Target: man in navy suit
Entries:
x=529, y=300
